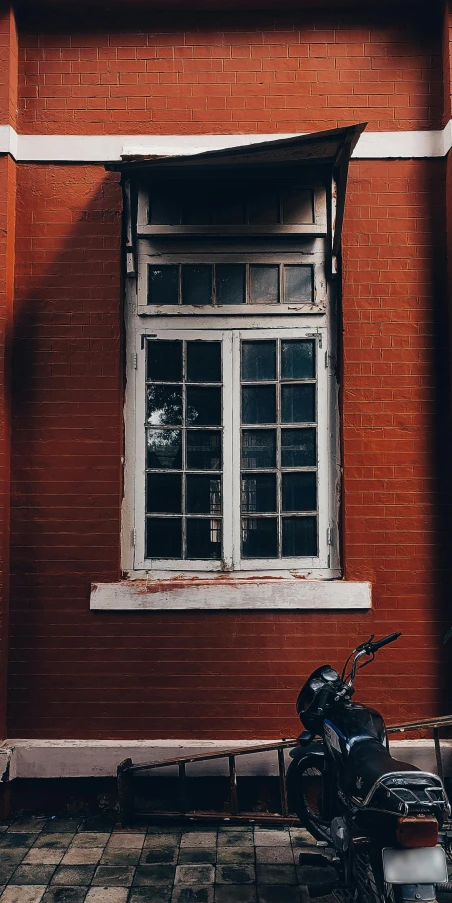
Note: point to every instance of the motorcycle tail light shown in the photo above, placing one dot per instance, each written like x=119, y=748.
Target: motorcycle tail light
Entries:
x=417, y=831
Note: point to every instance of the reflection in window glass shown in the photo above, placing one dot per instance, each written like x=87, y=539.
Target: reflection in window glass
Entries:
x=258, y=449
x=258, y=404
x=299, y=536
x=297, y=360
x=196, y=284
x=163, y=537
x=258, y=361
x=164, y=361
x=298, y=403
x=164, y=405
x=164, y=449
x=203, y=449
x=204, y=406
x=230, y=283
x=163, y=284
x=259, y=493
x=164, y=493
x=203, y=537
x=259, y=537
x=298, y=284
x=298, y=447
x=264, y=284
x=204, y=362
x=203, y=494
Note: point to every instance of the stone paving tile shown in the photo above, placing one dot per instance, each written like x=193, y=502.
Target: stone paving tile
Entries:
x=126, y=841
x=120, y=857
x=61, y=826
x=236, y=855
x=64, y=895
x=270, y=837
x=281, y=854
x=22, y=893
x=236, y=893
x=107, y=895
x=198, y=839
x=159, y=854
x=27, y=825
x=162, y=840
x=184, y=893
x=33, y=874
x=108, y=876
x=98, y=823
x=154, y=874
x=51, y=841
x=235, y=838
x=235, y=874
x=9, y=840
x=194, y=874
x=278, y=894
x=268, y=873
x=82, y=856
x=150, y=894
x=90, y=839
x=43, y=856
x=196, y=855
x=73, y=875
x=6, y=871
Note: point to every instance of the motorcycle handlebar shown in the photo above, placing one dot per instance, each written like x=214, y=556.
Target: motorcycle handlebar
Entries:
x=322, y=701
x=372, y=647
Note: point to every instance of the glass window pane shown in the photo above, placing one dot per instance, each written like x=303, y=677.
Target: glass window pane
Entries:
x=298, y=205
x=203, y=449
x=203, y=494
x=258, y=449
x=164, y=209
x=264, y=284
x=299, y=491
x=163, y=537
x=298, y=284
x=263, y=206
x=298, y=448
x=163, y=284
x=196, y=284
x=299, y=536
x=259, y=493
x=230, y=283
x=164, y=449
x=164, y=405
x=164, y=493
x=204, y=362
x=258, y=404
x=298, y=403
x=204, y=406
x=203, y=538
x=297, y=360
x=259, y=537
x=164, y=361
x=258, y=360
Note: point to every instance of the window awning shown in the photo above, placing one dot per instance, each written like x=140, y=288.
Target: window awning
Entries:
x=332, y=148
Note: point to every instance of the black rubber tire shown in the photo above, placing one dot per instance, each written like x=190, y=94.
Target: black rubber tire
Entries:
x=303, y=796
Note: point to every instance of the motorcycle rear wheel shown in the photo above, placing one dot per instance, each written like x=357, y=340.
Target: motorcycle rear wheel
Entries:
x=304, y=789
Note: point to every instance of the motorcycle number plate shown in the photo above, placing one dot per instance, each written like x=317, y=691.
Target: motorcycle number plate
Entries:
x=423, y=865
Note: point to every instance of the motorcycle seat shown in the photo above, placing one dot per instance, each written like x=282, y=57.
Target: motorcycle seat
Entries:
x=368, y=762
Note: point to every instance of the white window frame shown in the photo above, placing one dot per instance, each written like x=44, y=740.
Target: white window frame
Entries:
x=232, y=561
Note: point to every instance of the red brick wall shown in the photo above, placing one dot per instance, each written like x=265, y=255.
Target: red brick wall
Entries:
x=218, y=674
x=227, y=73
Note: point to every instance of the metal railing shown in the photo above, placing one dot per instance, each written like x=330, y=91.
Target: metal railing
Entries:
x=127, y=771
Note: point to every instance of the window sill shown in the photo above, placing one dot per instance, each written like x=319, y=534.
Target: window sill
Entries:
x=227, y=592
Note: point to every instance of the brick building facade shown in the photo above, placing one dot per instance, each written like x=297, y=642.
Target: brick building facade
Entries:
x=77, y=84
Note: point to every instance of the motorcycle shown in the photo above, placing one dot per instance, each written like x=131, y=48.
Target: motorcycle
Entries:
x=377, y=818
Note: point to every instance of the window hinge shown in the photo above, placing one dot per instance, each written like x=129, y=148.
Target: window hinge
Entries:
x=329, y=360
x=134, y=538
x=135, y=361
x=330, y=535
x=315, y=335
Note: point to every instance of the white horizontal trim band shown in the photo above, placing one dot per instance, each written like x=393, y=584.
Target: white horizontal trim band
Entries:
x=109, y=148
x=278, y=593
x=26, y=758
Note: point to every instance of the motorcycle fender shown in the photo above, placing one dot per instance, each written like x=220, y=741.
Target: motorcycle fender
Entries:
x=314, y=749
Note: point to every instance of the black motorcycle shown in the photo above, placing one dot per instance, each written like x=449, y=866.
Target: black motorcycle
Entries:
x=377, y=817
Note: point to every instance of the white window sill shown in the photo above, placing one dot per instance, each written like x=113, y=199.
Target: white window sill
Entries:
x=227, y=592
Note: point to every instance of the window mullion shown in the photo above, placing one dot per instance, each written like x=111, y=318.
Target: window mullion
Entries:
x=236, y=449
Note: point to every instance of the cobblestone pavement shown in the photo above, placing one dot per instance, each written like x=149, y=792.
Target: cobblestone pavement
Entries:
x=75, y=860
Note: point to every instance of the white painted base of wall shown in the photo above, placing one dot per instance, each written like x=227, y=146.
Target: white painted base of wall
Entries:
x=100, y=758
